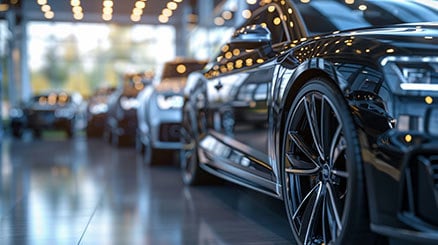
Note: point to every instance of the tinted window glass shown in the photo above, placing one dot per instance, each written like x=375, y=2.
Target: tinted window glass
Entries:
x=330, y=15
x=270, y=17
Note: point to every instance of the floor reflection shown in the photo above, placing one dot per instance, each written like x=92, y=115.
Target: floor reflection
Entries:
x=79, y=191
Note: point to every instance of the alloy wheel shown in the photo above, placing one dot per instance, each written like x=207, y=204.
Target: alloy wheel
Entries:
x=316, y=168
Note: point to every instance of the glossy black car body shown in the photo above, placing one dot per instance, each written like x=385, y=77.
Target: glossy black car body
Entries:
x=53, y=110
x=121, y=122
x=97, y=111
x=350, y=139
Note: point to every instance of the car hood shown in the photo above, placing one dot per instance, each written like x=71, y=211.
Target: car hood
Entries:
x=417, y=35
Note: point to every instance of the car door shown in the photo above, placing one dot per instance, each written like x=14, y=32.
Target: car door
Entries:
x=238, y=84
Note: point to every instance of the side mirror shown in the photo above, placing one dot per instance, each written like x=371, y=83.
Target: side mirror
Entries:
x=253, y=36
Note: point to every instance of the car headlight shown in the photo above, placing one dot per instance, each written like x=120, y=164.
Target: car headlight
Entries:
x=98, y=108
x=128, y=103
x=413, y=73
x=166, y=102
x=65, y=113
x=16, y=113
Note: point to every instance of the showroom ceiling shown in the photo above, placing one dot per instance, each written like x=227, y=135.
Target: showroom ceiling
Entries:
x=101, y=11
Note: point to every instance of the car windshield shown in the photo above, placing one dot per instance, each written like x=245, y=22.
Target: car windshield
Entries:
x=322, y=16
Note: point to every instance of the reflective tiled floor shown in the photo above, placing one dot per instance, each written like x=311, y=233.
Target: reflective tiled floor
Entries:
x=58, y=191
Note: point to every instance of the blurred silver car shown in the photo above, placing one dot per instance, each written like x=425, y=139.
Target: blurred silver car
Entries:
x=159, y=112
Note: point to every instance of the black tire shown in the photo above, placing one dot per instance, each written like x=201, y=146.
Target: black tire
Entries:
x=322, y=179
x=37, y=133
x=192, y=174
x=151, y=156
x=70, y=131
x=17, y=132
x=93, y=133
x=107, y=135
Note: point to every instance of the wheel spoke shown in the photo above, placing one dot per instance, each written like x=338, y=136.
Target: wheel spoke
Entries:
x=301, y=171
x=299, y=142
x=324, y=125
x=310, y=108
x=332, y=208
x=323, y=220
x=340, y=173
x=311, y=218
x=295, y=187
x=338, y=145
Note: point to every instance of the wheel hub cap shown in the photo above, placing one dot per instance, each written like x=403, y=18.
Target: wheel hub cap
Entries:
x=326, y=171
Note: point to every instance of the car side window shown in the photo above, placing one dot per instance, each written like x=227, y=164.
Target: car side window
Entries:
x=270, y=17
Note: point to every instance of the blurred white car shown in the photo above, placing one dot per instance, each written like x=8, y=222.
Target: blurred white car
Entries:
x=159, y=112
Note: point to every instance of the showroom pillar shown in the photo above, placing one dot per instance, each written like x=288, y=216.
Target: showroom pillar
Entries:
x=205, y=10
x=182, y=31
x=18, y=71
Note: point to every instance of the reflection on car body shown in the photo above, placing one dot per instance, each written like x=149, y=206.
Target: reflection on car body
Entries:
x=350, y=141
x=159, y=114
x=47, y=110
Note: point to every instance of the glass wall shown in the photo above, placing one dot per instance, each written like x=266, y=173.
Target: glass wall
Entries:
x=81, y=57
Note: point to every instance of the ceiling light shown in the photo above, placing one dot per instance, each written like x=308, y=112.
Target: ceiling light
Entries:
x=163, y=19
x=172, y=5
x=107, y=17
x=49, y=15
x=77, y=9
x=219, y=21
x=78, y=16
x=137, y=11
x=135, y=18
x=107, y=11
x=46, y=8
x=140, y=5
x=167, y=12
x=246, y=14
x=75, y=3
x=108, y=3
x=42, y=2
x=227, y=15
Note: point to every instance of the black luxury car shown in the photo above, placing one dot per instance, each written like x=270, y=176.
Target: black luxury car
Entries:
x=330, y=106
x=121, y=123
x=52, y=110
x=97, y=111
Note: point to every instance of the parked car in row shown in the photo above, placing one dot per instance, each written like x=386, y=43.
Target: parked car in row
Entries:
x=159, y=112
x=121, y=124
x=348, y=95
x=51, y=110
x=97, y=111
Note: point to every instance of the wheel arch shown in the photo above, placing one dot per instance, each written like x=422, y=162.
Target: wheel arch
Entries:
x=314, y=68
x=297, y=81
